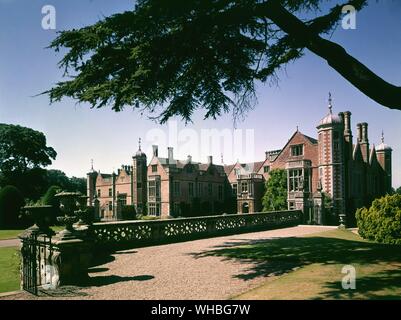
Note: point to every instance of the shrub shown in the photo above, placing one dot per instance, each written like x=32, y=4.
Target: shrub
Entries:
x=382, y=221
x=11, y=201
x=275, y=197
x=50, y=200
x=49, y=197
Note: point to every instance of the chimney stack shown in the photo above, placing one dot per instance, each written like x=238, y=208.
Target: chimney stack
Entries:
x=359, y=132
x=170, y=154
x=365, y=132
x=364, y=142
x=347, y=123
x=209, y=160
x=341, y=115
x=155, y=151
x=189, y=159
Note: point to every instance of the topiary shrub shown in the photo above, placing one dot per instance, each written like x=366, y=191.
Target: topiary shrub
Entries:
x=11, y=202
x=382, y=221
x=50, y=200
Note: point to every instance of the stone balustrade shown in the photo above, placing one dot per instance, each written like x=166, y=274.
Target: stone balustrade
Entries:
x=136, y=233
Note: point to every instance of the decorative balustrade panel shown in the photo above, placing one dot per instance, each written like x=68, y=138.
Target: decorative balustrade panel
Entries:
x=154, y=231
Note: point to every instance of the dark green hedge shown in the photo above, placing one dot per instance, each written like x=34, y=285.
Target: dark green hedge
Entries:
x=11, y=201
x=382, y=221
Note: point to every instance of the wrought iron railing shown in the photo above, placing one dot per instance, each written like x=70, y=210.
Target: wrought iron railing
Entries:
x=35, y=253
x=170, y=230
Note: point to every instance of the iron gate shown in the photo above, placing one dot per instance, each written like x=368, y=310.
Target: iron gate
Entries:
x=35, y=253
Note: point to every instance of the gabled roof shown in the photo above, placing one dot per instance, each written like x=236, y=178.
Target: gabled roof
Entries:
x=372, y=156
x=357, y=153
x=310, y=139
x=180, y=164
x=166, y=162
x=257, y=165
x=228, y=168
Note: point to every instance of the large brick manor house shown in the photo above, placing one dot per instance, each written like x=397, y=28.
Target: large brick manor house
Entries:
x=351, y=173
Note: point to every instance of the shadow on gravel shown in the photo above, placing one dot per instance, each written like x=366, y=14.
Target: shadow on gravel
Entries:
x=101, y=258
x=100, y=281
x=95, y=270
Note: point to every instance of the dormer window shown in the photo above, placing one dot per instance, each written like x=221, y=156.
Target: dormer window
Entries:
x=154, y=167
x=266, y=169
x=297, y=150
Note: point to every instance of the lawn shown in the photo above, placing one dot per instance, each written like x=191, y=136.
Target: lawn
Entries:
x=12, y=234
x=9, y=266
x=310, y=267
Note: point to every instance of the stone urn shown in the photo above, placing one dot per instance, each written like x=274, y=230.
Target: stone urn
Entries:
x=41, y=216
x=342, y=217
x=82, y=212
x=68, y=206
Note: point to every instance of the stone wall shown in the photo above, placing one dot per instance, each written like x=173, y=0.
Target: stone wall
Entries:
x=137, y=233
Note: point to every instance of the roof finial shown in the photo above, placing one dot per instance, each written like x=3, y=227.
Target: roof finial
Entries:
x=139, y=144
x=222, y=161
x=330, y=103
x=382, y=136
x=92, y=165
x=297, y=129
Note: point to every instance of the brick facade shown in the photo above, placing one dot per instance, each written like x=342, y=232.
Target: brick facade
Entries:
x=350, y=173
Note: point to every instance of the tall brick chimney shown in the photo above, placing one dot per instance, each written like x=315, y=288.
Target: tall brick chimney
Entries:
x=365, y=142
x=347, y=125
x=155, y=151
x=209, y=160
x=170, y=155
x=347, y=134
x=359, y=132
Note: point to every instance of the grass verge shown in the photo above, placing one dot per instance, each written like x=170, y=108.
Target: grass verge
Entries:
x=12, y=234
x=311, y=267
x=9, y=266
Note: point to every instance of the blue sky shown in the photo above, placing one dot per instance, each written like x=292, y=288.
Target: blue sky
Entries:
x=299, y=99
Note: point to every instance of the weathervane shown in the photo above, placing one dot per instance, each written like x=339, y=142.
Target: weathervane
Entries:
x=139, y=143
x=92, y=165
x=330, y=102
x=382, y=136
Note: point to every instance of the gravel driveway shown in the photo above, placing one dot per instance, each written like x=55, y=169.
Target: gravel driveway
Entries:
x=9, y=243
x=174, y=272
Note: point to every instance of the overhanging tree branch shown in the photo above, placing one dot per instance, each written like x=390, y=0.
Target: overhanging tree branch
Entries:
x=181, y=55
x=351, y=69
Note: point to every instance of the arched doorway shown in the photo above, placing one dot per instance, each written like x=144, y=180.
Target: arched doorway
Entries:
x=245, y=207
